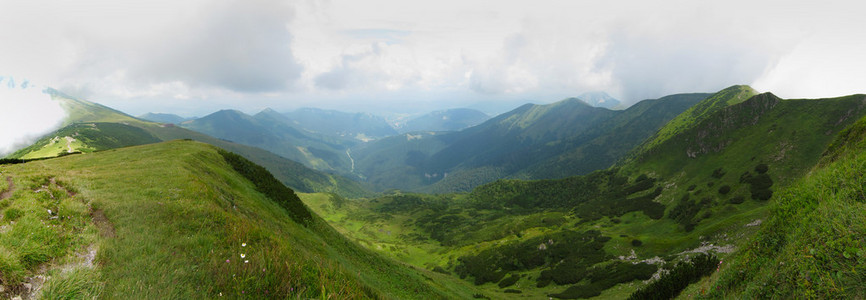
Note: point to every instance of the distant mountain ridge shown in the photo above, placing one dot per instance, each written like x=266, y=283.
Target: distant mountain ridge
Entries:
x=277, y=133
x=443, y=120
x=164, y=118
x=362, y=126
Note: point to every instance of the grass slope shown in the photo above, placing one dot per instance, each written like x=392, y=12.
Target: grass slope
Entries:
x=176, y=221
x=697, y=113
x=86, y=137
x=813, y=245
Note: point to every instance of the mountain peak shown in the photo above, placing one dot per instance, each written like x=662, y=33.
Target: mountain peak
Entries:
x=599, y=99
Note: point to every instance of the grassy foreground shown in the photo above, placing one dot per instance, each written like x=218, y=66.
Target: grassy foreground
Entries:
x=174, y=220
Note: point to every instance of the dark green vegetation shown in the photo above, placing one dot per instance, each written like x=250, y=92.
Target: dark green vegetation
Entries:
x=678, y=278
x=175, y=220
x=568, y=254
x=557, y=140
x=444, y=120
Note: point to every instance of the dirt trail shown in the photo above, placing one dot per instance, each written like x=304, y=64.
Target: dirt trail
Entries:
x=9, y=190
x=69, y=141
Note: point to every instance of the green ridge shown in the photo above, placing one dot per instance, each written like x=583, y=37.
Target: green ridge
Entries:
x=175, y=220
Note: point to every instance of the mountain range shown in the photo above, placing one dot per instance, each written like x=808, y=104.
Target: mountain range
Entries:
x=733, y=194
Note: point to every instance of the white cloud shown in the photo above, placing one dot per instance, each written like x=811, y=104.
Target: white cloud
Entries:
x=27, y=114
x=194, y=55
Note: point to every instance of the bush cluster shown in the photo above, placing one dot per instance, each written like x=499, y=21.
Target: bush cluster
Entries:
x=760, y=183
x=602, y=278
x=686, y=211
x=684, y=273
x=568, y=253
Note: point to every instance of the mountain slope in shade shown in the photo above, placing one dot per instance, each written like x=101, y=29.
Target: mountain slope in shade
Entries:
x=444, y=120
x=565, y=138
x=273, y=132
x=599, y=99
x=164, y=118
x=603, y=145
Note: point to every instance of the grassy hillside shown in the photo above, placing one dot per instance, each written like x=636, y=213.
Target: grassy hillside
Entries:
x=175, y=220
x=86, y=137
x=813, y=245
x=701, y=111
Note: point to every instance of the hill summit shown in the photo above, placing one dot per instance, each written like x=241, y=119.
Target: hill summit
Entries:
x=599, y=99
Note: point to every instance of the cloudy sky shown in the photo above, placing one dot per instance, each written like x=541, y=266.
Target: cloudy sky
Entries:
x=195, y=56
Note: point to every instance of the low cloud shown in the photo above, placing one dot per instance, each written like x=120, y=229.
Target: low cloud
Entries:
x=28, y=113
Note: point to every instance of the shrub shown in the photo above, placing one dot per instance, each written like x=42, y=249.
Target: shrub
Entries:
x=725, y=189
x=439, y=269
x=11, y=161
x=513, y=291
x=602, y=278
x=763, y=195
x=636, y=243
x=738, y=199
x=509, y=281
x=762, y=168
x=718, y=173
x=568, y=253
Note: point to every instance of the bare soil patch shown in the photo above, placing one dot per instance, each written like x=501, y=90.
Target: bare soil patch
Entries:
x=11, y=188
x=106, y=229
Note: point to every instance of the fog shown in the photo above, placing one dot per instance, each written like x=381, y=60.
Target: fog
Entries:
x=27, y=114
